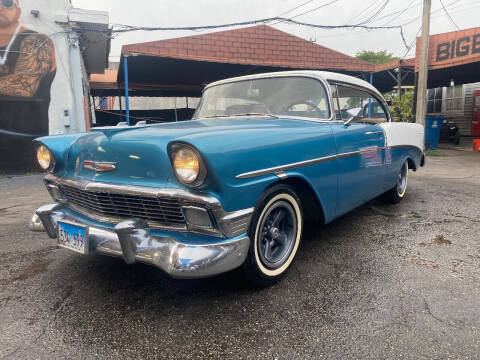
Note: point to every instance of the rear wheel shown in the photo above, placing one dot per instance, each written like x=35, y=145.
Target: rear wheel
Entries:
x=397, y=193
x=275, y=235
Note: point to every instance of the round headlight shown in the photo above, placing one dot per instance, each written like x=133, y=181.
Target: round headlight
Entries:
x=44, y=157
x=188, y=165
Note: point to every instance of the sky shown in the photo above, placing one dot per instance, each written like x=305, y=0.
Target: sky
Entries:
x=178, y=13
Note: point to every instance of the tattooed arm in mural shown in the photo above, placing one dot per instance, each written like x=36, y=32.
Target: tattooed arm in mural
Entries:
x=36, y=60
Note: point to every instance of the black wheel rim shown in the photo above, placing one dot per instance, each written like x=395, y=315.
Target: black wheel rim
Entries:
x=402, y=180
x=277, y=234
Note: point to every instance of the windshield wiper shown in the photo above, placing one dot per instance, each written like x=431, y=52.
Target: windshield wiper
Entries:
x=237, y=115
x=256, y=114
x=213, y=116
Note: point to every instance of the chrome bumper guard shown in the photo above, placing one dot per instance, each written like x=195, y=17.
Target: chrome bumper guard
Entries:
x=132, y=240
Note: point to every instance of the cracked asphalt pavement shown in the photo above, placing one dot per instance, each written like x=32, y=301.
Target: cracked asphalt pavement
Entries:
x=385, y=281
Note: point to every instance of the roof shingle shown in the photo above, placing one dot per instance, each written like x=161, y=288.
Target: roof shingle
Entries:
x=258, y=45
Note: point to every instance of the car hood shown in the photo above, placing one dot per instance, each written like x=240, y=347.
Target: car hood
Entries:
x=140, y=153
x=193, y=128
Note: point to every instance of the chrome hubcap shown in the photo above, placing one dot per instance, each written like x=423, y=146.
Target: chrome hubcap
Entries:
x=402, y=180
x=278, y=231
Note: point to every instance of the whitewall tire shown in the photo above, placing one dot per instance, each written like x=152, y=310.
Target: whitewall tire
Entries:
x=397, y=193
x=275, y=235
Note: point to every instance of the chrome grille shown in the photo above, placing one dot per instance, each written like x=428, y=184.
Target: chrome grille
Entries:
x=158, y=210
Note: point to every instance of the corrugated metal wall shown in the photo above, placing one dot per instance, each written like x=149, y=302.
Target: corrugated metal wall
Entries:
x=462, y=117
x=468, y=113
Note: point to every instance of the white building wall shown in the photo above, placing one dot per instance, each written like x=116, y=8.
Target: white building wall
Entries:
x=66, y=113
x=43, y=76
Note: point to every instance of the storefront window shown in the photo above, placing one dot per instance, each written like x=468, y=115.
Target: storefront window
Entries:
x=434, y=103
x=454, y=98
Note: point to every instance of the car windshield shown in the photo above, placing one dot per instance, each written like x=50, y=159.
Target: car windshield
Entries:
x=283, y=96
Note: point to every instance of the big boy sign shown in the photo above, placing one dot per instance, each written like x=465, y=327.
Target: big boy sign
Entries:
x=453, y=49
x=464, y=46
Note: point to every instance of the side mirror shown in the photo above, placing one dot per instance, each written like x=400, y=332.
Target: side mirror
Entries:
x=352, y=119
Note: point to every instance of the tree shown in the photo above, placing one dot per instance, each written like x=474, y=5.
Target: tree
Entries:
x=378, y=57
x=401, y=109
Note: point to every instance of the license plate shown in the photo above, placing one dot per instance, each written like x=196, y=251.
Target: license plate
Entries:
x=73, y=236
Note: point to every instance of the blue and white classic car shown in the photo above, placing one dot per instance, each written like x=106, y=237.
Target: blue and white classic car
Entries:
x=231, y=188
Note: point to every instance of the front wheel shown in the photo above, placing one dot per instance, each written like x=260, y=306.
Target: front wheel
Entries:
x=397, y=193
x=275, y=234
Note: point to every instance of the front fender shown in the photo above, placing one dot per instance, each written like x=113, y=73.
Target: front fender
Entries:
x=237, y=192
x=59, y=146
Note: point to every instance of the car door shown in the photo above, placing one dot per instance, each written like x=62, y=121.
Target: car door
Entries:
x=360, y=146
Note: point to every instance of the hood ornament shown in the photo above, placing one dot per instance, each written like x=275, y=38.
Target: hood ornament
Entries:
x=99, y=166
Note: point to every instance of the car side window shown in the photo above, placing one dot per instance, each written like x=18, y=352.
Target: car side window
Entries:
x=335, y=104
x=360, y=104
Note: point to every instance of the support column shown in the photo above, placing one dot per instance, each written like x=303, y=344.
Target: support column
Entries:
x=369, y=113
x=423, y=70
x=127, y=100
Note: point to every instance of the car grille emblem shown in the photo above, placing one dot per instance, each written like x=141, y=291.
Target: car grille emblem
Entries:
x=99, y=166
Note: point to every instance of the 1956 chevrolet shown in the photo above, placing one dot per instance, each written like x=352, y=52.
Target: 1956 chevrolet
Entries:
x=232, y=187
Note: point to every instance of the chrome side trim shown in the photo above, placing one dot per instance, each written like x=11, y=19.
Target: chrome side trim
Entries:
x=279, y=169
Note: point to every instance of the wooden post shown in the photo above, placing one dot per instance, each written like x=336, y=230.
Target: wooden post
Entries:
x=423, y=70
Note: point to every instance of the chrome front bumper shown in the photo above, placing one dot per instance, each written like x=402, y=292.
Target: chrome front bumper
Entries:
x=133, y=241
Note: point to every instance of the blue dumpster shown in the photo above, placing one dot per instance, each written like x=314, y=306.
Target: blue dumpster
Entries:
x=433, y=125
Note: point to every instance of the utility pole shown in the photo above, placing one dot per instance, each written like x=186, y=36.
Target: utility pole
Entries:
x=423, y=71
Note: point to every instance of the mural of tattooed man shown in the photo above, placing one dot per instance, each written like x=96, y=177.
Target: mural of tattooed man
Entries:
x=27, y=70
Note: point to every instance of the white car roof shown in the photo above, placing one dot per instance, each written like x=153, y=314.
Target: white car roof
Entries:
x=322, y=75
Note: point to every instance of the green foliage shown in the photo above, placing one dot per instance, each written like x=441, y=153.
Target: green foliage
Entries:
x=402, y=109
x=433, y=153
x=375, y=57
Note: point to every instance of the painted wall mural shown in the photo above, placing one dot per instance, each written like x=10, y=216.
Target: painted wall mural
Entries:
x=27, y=71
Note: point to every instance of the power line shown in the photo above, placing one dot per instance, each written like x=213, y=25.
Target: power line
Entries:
x=400, y=12
x=411, y=45
x=446, y=12
x=358, y=16
x=309, y=11
x=299, y=6
x=122, y=28
x=129, y=28
x=433, y=12
x=378, y=12
x=295, y=8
